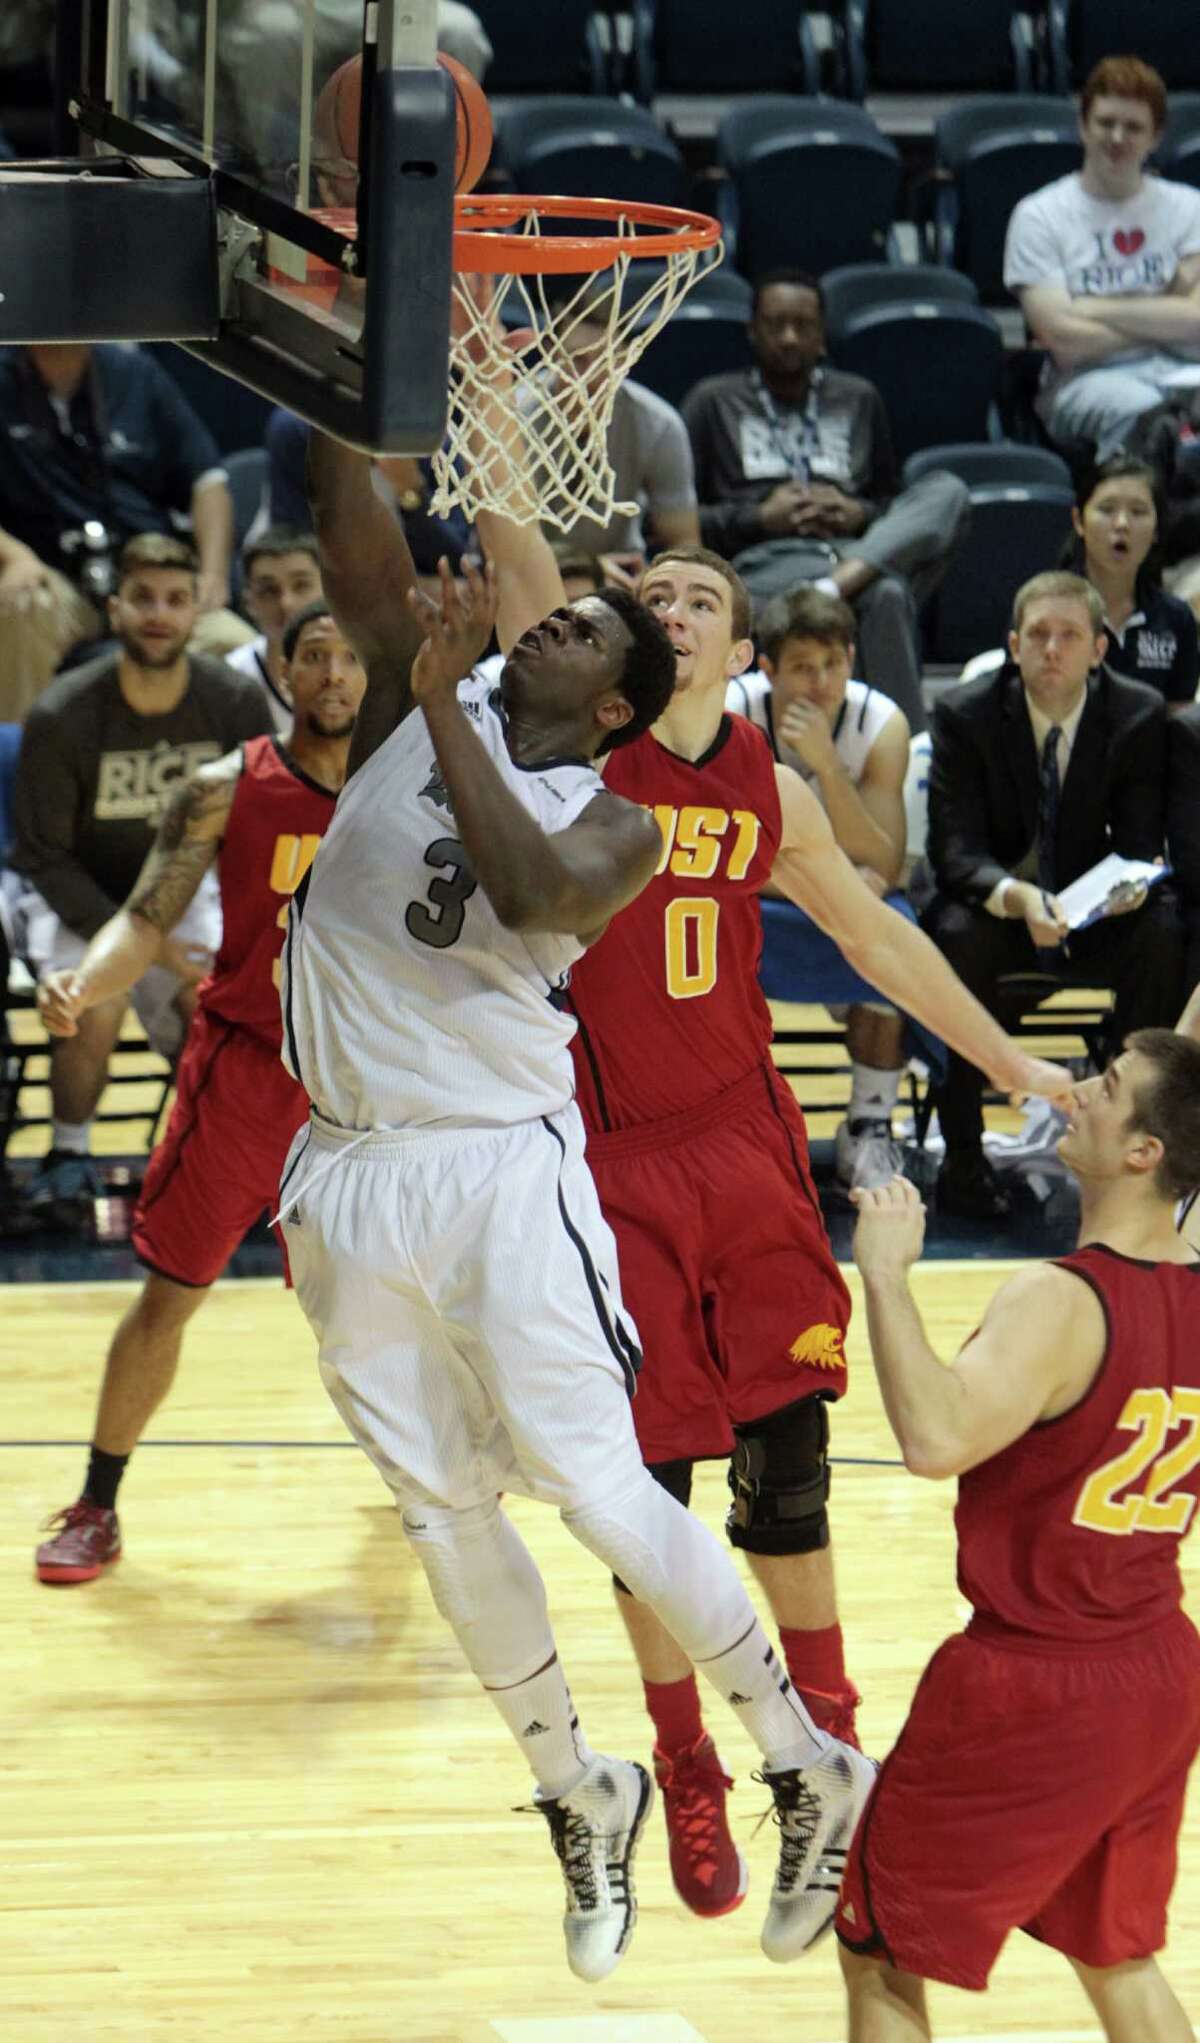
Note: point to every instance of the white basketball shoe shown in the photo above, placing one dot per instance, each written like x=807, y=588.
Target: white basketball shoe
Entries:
x=817, y=1809
x=595, y=1831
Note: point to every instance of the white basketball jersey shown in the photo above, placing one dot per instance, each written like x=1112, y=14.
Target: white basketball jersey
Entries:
x=862, y=716
x=406, y=1002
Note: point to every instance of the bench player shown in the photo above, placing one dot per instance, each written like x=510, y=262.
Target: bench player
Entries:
x=1039, y=1781
x=443, y=1231
x=259, y=813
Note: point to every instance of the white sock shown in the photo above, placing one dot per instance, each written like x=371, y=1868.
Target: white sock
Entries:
x=873, y=1094
x=73, y=1136
x=756, y=1686
x=541, y=1716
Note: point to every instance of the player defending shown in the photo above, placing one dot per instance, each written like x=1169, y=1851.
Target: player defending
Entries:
x=1039, y=1781
x=700, y=1157
x=442, y=1227
x=260, y=813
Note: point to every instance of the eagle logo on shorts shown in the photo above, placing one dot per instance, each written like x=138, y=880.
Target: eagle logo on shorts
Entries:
x=436, y=791
x=819, y=1347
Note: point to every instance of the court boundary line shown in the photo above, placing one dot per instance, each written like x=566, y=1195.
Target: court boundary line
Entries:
x=842, y=1460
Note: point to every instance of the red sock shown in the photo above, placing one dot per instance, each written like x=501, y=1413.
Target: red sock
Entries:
x=816, y=1664
x=674, y=1708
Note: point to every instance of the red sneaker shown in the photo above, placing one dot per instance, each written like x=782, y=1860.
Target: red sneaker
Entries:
x=833, y=1713
x=87, y=1539
x=709, y=1871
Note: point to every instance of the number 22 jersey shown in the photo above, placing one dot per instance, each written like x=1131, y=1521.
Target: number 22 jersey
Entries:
x=668, y=1002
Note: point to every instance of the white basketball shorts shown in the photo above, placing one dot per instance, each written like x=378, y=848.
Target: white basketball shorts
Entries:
x=463, y=1289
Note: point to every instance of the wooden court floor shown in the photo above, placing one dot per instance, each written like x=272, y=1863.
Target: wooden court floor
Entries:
x=250, y=1793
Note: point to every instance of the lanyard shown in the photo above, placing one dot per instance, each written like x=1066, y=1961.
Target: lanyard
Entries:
x=799, y=465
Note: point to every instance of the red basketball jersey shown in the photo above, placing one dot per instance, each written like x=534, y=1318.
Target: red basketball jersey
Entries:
x=1072, y=1534
x=277, y=819
x=667, y=1001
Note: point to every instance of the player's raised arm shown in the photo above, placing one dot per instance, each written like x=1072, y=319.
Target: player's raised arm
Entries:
x=572, y=882
x=139, y=934
x=367, y=573
x=890, y=952
x=1040, y=1344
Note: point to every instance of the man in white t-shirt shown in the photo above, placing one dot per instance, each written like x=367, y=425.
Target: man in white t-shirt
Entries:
x=281, y=575
x=1106, y=264
x=851, y=744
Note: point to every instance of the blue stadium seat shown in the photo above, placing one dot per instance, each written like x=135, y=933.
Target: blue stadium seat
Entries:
x=1021, y=499
x=1178, y=154
x=235, y=415
x=986, y=46
x=856, y=285
x=583, y=147
x=936, y=366
x=990, y=153
x=709, y=46
x=812, y=184
x=706, y=336
x=547, y=46
x=10, y=745
x=1165, y=33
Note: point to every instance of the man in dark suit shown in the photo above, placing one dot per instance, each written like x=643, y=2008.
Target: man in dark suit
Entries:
x=1036, y=776
x=1183, y=828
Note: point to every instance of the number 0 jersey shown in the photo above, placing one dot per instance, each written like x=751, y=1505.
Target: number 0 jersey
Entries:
x=406, y=1002
x=668, y=1002
x=1072, y=1534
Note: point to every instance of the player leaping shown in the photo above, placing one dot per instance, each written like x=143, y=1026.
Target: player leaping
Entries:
x=443, y=1231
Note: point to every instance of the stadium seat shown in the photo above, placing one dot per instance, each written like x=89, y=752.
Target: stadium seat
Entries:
x=235, y=415
x=10, y=745
x=708, y=46
x=989, y=153
x=583, y=147
x=1178, y=154
x=936, y=366
x=705, y=336
x=1165, y=33
x=849, y=289
x=984, y=47
x=547, y=46
x=1021, y=499
x=812, y=184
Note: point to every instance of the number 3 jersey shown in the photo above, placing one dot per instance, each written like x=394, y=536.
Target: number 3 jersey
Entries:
x=1070, y=1537
x=668, y=1002
x=406, y=1002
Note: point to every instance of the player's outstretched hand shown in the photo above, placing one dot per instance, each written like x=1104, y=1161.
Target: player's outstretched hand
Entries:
x=60, y=1003
x=1023, y=1075
x=890, y=1231
x=457, y=629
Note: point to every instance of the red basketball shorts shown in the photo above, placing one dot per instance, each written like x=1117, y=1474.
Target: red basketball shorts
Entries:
x=1028, y=1792
x=725, y=1266
x=217, y=1167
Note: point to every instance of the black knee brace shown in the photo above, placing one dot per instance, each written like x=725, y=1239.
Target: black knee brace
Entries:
x=779, y=1476
x=676, y=1478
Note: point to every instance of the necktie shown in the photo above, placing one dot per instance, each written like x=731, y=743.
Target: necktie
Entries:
x=1049, y=795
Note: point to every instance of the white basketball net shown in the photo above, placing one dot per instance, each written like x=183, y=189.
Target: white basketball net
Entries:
x=530, y=410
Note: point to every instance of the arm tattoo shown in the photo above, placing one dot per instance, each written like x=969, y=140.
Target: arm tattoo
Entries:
x=188, y=840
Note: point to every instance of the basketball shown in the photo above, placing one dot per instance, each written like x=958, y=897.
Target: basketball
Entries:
x=336, y=118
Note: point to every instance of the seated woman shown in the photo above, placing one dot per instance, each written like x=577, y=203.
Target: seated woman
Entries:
x=1152, y=637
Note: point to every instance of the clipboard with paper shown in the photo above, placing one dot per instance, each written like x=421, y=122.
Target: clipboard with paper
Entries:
x=1089, y=898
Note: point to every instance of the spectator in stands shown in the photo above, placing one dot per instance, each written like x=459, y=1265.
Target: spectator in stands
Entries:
x=96, y=445
x=794, y=462
x=404, y=483
x=651, y=459
x=1152, y=637
x=1183, y=829
x=280, y=575
x=1106, y=264
x=850, y=743
x=1036, y=776
x=101, y=751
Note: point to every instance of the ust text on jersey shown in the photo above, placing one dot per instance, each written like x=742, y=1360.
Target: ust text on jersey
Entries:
x=700, y=843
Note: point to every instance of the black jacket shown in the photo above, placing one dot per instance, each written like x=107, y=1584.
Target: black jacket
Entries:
x=983, y=783
x=1183, y=801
